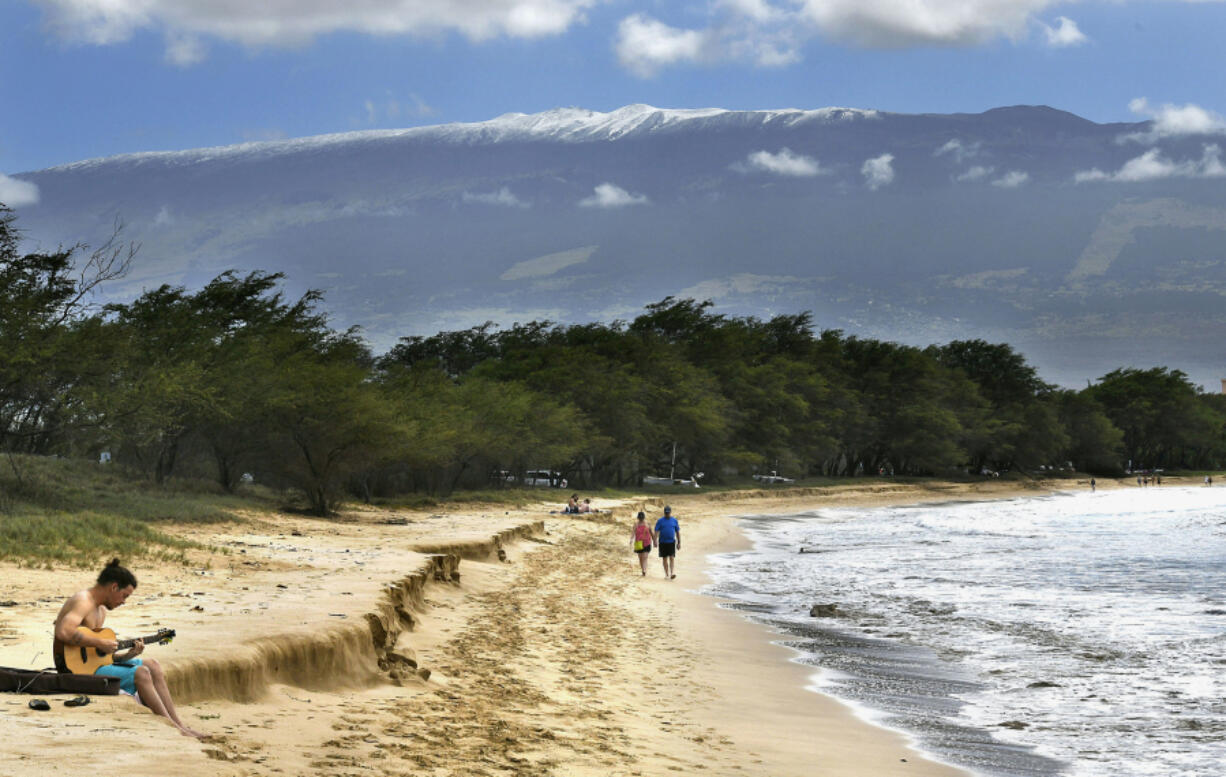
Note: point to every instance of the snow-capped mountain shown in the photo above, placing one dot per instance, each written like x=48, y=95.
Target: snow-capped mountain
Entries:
x=1087, y=246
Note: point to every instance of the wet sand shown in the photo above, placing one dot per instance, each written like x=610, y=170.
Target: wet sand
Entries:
x=363, y=647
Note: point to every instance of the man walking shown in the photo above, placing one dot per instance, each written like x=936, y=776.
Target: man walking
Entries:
x=667, y=534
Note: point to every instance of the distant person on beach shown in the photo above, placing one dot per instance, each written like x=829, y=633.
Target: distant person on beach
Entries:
x=667, y=535
x=572, y=505
x=586, y=507
x=143, y=679
x=640, y=535
x=1093, y=485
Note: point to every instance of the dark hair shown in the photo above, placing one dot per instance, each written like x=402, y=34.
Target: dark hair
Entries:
x=642, y=515
x=114, y=573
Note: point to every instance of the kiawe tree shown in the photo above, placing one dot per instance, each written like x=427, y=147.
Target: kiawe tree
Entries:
x=1165, y=419
x=45, y=318
x=1021, y=428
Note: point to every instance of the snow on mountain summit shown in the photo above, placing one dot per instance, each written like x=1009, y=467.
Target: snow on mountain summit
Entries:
x=578, y=124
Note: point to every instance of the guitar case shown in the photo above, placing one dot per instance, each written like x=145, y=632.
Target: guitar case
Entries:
x=51, y=681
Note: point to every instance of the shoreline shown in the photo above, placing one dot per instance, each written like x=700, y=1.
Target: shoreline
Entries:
x=774, y=700
x=848, y=742
x=561, y=659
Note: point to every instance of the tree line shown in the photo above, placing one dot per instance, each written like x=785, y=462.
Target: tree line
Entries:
x=234, y=379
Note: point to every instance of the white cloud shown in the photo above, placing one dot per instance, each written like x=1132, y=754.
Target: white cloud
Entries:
x=16, y=193
x=1012, y=179
x=891, y=24
x=184, y=50
x=1065, y=34
x=1152, y=165
x=503, y=197
x=976, y=173
x=741, y=283
x=754, y=10
x=740, y=31
x=549, y=264
x=293, y=22
x=1174, y=120
x=608, y=195
x=773, y=32
x=958, y=150
x=164, y=217
x=786, y=162
x=389, y=109
x=644, y=45
x=878, y=171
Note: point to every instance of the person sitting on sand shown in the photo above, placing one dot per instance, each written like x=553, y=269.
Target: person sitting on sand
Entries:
x=640, y=535
x=143, y=679
x=572, y=505
x=586, y=507
x=667, y=535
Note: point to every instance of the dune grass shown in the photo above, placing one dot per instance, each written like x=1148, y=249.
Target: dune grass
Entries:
x=64, y=511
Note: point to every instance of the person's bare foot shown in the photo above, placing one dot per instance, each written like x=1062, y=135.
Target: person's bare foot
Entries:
x=191, y=732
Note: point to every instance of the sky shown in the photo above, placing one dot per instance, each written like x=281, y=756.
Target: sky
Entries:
x=81, y=79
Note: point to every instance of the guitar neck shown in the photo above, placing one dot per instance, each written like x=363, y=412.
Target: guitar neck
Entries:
x=152, y=639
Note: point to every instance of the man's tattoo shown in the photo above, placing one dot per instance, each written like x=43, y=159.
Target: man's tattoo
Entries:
x=75, y=639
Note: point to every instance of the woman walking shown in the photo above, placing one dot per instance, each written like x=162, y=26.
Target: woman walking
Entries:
x=641, y=536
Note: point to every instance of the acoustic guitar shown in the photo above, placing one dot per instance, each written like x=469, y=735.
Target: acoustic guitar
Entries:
x=86, y=660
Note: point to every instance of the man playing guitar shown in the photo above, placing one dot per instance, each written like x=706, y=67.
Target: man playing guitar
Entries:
x=143, y=679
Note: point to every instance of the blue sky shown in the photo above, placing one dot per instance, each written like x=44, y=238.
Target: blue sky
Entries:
x=89, y=78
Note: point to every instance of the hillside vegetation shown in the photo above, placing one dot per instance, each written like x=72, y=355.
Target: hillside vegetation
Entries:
x=235, y=383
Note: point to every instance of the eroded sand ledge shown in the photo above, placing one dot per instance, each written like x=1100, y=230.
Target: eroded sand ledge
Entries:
x=300, y=648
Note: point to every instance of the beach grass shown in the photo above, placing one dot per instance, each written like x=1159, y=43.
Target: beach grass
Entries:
x=66, y=511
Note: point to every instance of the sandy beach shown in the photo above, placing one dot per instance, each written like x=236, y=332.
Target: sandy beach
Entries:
x=475, y=642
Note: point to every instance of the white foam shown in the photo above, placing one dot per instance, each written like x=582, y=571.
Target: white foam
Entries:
x=1103, y=594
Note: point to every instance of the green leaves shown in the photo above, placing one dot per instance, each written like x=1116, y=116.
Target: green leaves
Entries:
x=233, y=379
x=1166, y=421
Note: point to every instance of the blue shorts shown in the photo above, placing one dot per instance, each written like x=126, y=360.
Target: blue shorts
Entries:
x=125, y=671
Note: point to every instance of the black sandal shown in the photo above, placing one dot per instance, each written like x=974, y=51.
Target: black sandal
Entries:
x=39, y=704
x=79, y=701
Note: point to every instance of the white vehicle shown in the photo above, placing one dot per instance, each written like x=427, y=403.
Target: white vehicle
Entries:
x=544, y=477
x=772, y=478
x=651, y=480
x=671, y=480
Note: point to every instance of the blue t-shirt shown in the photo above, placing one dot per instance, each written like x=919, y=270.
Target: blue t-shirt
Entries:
x=667, y=527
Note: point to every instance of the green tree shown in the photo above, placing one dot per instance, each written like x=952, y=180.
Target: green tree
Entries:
x=325, y=420
x=1161, y=413
x=923, y=415
x=45, y=307
x=1094, y=443
x=1022, y=428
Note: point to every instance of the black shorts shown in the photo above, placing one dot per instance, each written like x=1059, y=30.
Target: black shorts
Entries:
x=646, y=549
x=668, y=549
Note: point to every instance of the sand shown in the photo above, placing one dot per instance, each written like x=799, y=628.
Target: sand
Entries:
x=481, y=642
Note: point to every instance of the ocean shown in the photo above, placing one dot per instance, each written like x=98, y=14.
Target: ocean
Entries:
x=1081, y=634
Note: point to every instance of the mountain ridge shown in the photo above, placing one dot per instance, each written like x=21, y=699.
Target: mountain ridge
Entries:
x=919, y=228
x=569, y=124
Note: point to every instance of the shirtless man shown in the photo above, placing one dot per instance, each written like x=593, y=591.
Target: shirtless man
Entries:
x=141, y=678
